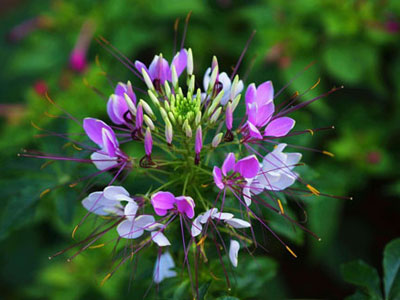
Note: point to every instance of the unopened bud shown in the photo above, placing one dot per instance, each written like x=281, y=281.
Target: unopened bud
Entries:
x=191, y=84
x=139, y=116
x=213, y=79
x=148, y=142
x=188, y=130
x=197, y=120
x=215, y=102
x=153, y=98
x=148, y=122
x=131, y=105
x=172, y=118
x=216, y=140
x=236, y=102
x=168, y=132
x=189, y=66
x=147, y=80
x=147, y=109
x=229, y=116
x=163, y=113
x=167, y=89
x=215, y=115
x=174, y=76
x=199, y=140
x=234, y=87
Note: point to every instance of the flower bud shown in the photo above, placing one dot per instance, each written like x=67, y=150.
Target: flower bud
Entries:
x=214, y=62
x=131, y=105
x=189, y=66
x=148, y=122
x=139, y=116
x=163, y=113
x=147, y=80
x=234, y=87
x=174, y=75
x=215, y=115
x=167, y=89
x=199, y=140
x=197, y=120
x=147, y=109
x=148, y=142
x=213, y=79
x=191, y=83
x=236, y=102
x=229, y=116
x=216, y=140
x=215, y=102
x=153, y=98
x=172, y=118
x=188, y=130
x=168, y=132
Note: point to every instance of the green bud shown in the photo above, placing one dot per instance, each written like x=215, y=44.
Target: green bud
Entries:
x=167, y=89
x=189, y=66
x=166, y=106
x=215, y=102
x=153, y=98
x=188, y=130
x=234, y=87
x=168, y=132
x=180, y=93
x=216, y=140
x=197, y=120
x=131, y=105
x=236, y=102
x=175, y=82
x=191, y=83
x=198, y=98
x=172, y=118
x=147, y=80
x=212, y=79
x=215, y=115
x=147, y=109
x=180, y=120
x=148, y=122
x=163, y=113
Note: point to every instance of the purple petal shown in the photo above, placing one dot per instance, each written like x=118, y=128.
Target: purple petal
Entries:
x=217, y=174
x=139, y=116
x=228, y=117
x=229, y=163
x=94, y=128
x=253, y=131
x=116, y=109
x=162, y=201
x=110, y=143
x=251, y=94
x=159, y=69
x=279, y=127
x=185, y=206
x=252, y=113
x=265, y=93
x=264, y=114
x=180, y=62
x=199, y=140
x=248, y=167
x=139, y=66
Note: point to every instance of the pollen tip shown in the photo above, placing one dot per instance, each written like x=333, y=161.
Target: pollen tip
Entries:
x=291, y=252
x=319, y=239
x=74, y=231
x=281, y=207
x=313, y=190
x=105, y=279
x=44, y=193
x=328, y=153
x=310, y=131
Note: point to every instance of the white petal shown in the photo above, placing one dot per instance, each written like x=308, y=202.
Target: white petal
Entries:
x=292, y=159
x=127, y=230
x=234, y=252
x=102, y=161
x=145, y=222
x=117, y=193
x=196, y=226
x=206, y=79
x=96, y=203
x=209, y=213
x=226, y=85
x=238, y=223
x=223, y=216
x=160, y=239
x=162, y=268
x=130, y=210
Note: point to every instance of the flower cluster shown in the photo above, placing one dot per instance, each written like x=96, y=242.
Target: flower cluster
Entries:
x=196, y=144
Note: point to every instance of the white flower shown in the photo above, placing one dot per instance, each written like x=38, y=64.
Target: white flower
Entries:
x=213, y=213
x=275, y=173
x=108, y=202
x=163, y=268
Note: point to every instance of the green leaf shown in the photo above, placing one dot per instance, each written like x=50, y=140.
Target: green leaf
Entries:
x=227, y=298
x=204, y=289
x=391, y=269
x=363, y=275
x=181, y=290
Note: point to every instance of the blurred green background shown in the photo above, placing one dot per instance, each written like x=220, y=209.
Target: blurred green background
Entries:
x=355, y=43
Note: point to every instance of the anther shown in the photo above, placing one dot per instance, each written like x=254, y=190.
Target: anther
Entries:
x=313, y=190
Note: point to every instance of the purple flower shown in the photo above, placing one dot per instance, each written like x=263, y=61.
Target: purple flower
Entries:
x=246, y=167
x=164, y=201
x=117, y=108
x=159, y=70
x=103, y=135
x=260, y=109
